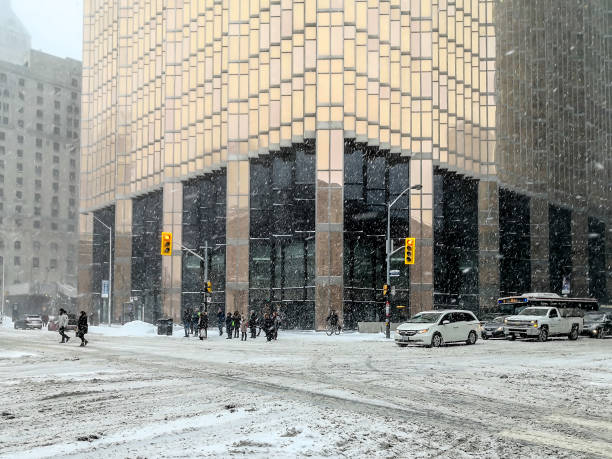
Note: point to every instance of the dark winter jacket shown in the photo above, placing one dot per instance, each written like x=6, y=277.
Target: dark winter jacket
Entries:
x=186, y=316
x=269, y=324
x=203, y=323
x=228, y=321
x=253, y=322
x=220, y=317
x=82, y=326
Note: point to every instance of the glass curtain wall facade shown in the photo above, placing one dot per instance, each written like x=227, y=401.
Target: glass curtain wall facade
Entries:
x=474, y=96
x=282, y=229
x=146, y=261
x=100, y=253
x=373, y=178
x=204, y=204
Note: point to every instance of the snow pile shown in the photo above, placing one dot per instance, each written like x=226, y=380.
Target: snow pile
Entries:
x=7, y=322
x=5, y=354
x=134, y=328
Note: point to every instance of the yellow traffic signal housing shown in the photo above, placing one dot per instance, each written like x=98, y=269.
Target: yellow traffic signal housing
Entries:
x=209, y=287
x=385, y=290
x=166, y=243
x=409, y=251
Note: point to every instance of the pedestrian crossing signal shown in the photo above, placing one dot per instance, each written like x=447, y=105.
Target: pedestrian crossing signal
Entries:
x=409, y=251
x=166, y=243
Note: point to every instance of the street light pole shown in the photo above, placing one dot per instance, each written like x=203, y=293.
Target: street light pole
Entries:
x=110, y=266
x=2, y=316
x=389, y=251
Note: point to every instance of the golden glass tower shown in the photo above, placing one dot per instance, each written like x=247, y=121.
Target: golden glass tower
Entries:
x=480, y=91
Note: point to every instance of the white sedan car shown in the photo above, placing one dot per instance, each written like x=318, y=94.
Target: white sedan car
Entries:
x=434, y=328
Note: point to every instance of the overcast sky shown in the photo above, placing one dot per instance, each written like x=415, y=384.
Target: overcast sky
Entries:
x=56, y=26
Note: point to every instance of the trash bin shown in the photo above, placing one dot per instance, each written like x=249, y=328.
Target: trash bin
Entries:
x=164, y=327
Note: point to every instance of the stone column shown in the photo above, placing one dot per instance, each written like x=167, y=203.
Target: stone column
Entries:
x=85, y=274
x=539, y=233
x=237, y=236
x=122, y=263
x=488, y=244
x=329, y=240
x=421, y=228
x=172, y=221
x=580, y=261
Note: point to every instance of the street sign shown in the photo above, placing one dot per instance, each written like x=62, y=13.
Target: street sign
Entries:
x=394, y=273
x=105, y=289
x=209, y=299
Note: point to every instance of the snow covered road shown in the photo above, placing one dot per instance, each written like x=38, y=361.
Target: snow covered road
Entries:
x=305, y=395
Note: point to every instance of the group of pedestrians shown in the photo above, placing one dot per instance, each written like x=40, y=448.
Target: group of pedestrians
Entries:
x=195, y=322
x=238, y=326
x=81, y=329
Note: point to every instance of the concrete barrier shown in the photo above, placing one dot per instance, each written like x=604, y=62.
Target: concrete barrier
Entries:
x=374, y=327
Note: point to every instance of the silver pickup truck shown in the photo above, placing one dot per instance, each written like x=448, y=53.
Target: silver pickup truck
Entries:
x=541, y=322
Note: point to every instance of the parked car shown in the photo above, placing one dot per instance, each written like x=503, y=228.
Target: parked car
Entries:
x=72, y=323
x=28, y=322
x=541, y=322
x=597, y=324
x=434, y=328
x=493, y=327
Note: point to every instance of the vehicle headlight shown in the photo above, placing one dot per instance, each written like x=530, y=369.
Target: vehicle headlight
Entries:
x=534, y=323
x=425, y=330
x=505, y=321
x=500, y=329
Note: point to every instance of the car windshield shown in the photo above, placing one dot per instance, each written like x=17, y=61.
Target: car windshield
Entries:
x=425, y=318
x=499, y=319
x=533, y=312
x=594, y=317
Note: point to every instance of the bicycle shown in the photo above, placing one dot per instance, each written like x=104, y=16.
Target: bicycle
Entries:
x=331, y=329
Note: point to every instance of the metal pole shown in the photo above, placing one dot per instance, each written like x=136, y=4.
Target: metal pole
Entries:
x=110, y=273
x=2, y=316
x=388, y=248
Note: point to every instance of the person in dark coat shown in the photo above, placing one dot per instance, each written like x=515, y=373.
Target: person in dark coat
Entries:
x=253, y=325
x=186, y=321
x=82, y=328
x=268, y=327
x=220, y=320
x=203, y=325
x=236, y=324
x=229, y=320
x=195, y=320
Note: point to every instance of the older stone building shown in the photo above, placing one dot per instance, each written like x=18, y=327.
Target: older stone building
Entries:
x=271, y=135
x=40, y=101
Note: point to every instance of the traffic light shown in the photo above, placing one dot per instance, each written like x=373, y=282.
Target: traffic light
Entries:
x=385, y=290
x=209, y=286
x=166, y=243
x=409, y=251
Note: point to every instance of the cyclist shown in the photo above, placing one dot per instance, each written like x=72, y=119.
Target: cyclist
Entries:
x=332, y=319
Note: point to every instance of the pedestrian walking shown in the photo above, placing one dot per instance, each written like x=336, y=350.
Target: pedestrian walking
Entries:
x=243, y=330
x=45, y=320
x=236, y=324
x=253, y=325
x=82, y=328
x=195, y=319
x=229, y=320
x=277, y=323
x=62, y=323
x=186, y=321
x=268, y=325
x=203, y=325
x=220, y=319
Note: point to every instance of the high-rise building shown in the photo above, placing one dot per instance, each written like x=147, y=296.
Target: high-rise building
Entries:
x=270, y=136
x=40, y=101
